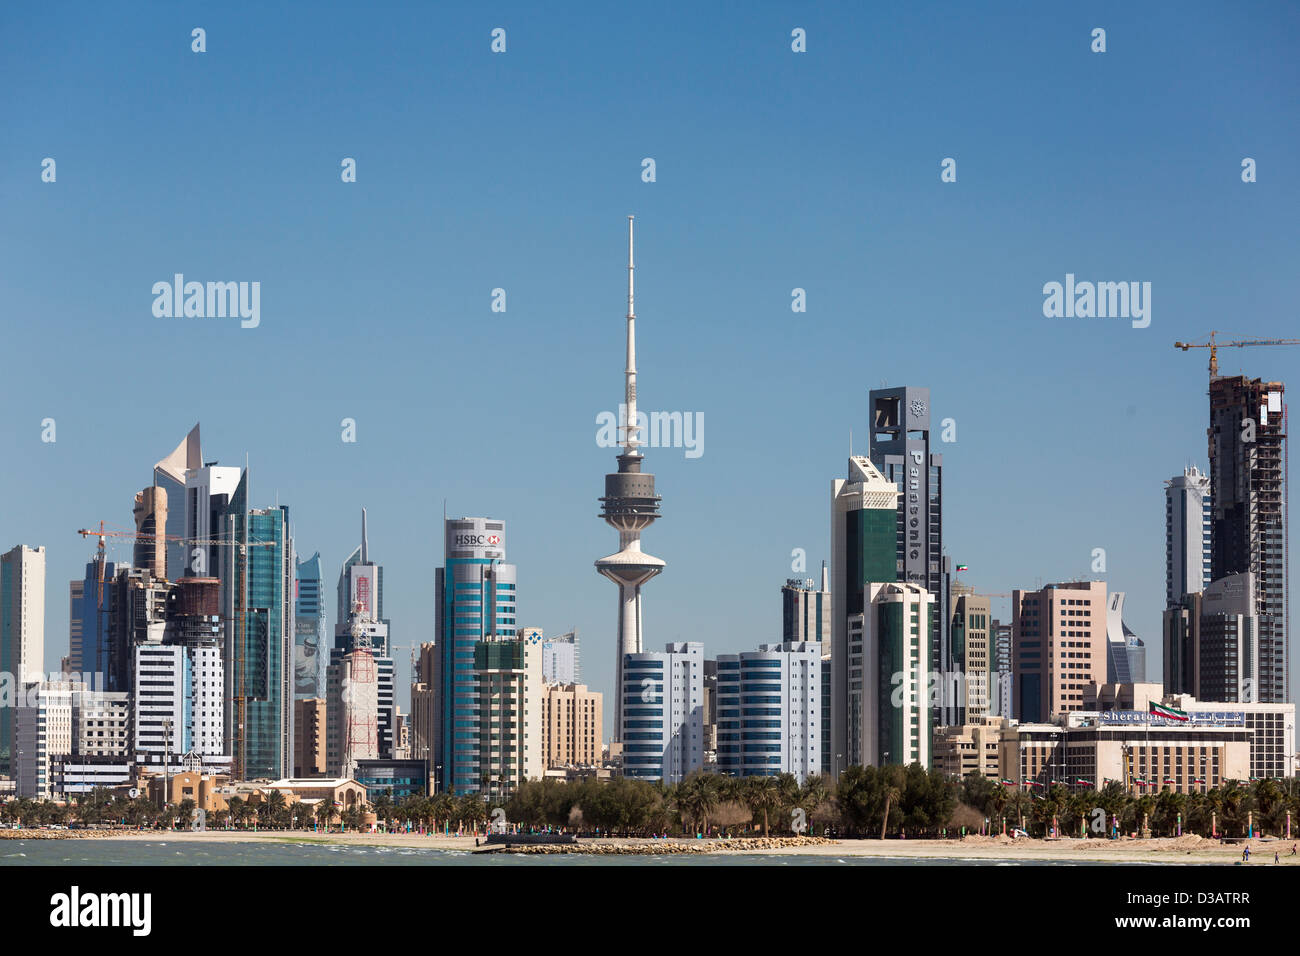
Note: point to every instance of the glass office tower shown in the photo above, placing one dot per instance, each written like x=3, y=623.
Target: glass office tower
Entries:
x=257, y=598
x=476, y=600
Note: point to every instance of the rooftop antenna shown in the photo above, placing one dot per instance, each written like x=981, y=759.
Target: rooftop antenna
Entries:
x=631, y=439
x=365, y=544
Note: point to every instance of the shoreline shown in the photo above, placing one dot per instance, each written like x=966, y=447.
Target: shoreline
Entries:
x=1188, y=849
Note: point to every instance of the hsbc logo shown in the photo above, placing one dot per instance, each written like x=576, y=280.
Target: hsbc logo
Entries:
x=477, y=540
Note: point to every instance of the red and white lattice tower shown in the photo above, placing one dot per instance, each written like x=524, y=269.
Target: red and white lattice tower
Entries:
x=360, y=697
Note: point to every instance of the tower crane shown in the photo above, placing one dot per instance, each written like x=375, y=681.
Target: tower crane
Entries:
x=1214, y=345
x=240, y=698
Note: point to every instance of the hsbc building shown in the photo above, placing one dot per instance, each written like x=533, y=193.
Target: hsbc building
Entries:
x=476, y=600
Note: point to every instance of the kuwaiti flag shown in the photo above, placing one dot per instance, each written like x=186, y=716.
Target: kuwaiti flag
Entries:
x=963, y=567
x=1169, y=713
x=1080, y=780
x=1008, y=783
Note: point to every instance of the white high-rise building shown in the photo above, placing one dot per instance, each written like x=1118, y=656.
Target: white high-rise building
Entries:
x=663, y=707
x=1187, y=534
x=208, y=491
x=22, y=631
x=42, y=733
x=560, y=660
x=864, y=550
x=769, y=711
x=178, y=705
x=889, y=714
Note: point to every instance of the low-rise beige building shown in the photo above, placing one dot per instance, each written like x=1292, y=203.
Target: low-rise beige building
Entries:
x=572, y=719
x=970, y=748
x=1185, y=758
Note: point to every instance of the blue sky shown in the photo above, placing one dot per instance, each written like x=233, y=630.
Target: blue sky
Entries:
x=775, y=170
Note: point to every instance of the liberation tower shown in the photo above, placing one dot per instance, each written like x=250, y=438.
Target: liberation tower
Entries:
x=629, y=506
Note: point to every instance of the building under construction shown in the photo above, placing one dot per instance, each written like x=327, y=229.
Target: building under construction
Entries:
x=357, y=697
x=1248, y=476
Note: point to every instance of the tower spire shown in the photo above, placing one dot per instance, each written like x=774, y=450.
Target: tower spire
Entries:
x=631, y=438
x=365, y=544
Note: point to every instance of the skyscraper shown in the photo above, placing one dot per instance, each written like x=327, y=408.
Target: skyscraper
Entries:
x=891, y=717
x=664, y=734
x=806, y=611
x=22, y=631
x=361, y=611
x=208, y=490
x=1059, y=638
x=170, y=475
x=424, y=703
x=76, y=628
x=476, y=600
x=150, y=513
x=1188, y=509
x=863, y=551
x=1248, y=452
x=257, y=597
x=630, y=505
x=1125, y=651
x=561, y=662
x=973, y=652
x=1001, y=703
x=90, y=656
x=1211, y=642
x=197, y=494
x=769, y=711
x=309, y=630
x=510, y=702
x=900, y=448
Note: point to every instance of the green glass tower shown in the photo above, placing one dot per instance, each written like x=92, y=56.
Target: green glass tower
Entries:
x=864, y=550
x=257, y=587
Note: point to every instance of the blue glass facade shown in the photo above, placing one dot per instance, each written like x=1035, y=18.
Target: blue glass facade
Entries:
x=645, y=735
x=476, y=593
x=260, y=649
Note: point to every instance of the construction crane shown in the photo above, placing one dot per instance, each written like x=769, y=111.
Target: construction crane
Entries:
x=1213, y=345
x=240, y=698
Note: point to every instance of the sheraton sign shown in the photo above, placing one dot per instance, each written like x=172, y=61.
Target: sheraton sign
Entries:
x=1212, y=718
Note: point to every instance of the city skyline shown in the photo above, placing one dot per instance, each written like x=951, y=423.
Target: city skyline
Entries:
x=908, y=279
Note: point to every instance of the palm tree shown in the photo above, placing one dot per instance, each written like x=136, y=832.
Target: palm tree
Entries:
x=891, y=794
x=696, y=798
x=383, y=809
x=763, y=794
x=275, y=804
x=325, y=812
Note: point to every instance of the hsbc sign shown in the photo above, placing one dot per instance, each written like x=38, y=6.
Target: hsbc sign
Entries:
x=475, y=540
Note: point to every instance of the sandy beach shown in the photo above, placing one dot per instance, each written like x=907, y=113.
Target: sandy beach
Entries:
x=1166, y=850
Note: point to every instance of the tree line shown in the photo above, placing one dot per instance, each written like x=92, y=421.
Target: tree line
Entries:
x=875, y=802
